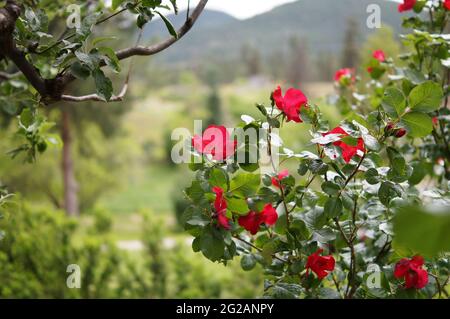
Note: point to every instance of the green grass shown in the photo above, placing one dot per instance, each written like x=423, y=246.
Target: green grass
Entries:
x=148, y=189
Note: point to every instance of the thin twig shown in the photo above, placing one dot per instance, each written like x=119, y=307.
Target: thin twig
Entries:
x=257, y=248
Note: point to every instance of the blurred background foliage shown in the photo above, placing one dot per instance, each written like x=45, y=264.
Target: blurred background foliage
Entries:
x=126, y=238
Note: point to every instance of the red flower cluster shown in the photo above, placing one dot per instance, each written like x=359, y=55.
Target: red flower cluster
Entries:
x=320, y=264
x=277, y=179
x=346, y=72
x=379, y=55
x=291, y=103
x=447, y=4
x=220, y=205
x=215, y=141
x=348, y=151
x=413, y=273
x=406, y=5
x=253, y=220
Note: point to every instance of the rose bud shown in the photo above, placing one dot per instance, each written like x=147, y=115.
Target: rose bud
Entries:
x=388, y=130
x=400, y=133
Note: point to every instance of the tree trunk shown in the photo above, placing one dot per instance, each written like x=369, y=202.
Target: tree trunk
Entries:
x=70, y=183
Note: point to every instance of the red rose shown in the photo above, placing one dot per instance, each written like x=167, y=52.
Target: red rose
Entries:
x=215, y=141
x=413, y=273
x=320, y=264
x=291, y=103
x=344, y=73
x=379, y=55
x=447, y=4
x=277, y=179
x=220, y=205
x=253, y=220
x=348, y=151
x=406, y=5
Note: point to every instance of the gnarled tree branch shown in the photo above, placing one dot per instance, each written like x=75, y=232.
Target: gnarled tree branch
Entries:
x=144, y=50
x=8, y=16
x=53, y=90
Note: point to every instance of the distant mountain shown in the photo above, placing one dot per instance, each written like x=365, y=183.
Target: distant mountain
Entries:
x=209, y=19
x=322, y=23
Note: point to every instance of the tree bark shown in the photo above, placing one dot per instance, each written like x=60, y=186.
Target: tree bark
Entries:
x=70, y=183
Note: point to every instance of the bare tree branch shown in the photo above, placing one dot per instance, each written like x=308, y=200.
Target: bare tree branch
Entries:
x=153, y=49
x=96, y=97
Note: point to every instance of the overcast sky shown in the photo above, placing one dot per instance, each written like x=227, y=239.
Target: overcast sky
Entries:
x=239, y=8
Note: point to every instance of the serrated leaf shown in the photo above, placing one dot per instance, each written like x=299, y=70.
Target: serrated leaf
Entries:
x=394, y=102
x=330, y=188
x=103, y=84
x=238, y=206
x=426, y=97
x=418, y=124
x=333, y=207
x=245, y=184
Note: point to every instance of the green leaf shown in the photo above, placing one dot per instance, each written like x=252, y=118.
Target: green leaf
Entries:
x=80, y=71
x=426, y=97
x=212, y=244
x=169, y=25
x=87, y=59
x=316, y=218
x=299, y=228
x=116, y=3
x=245, y=184
x=397, y=161
x=318, y=167
x=111, y=58
x=195, y=192
x=372, y=176
x=388, y=191
x=423, y=231
x=174, y=5
x=102, y=39
x=195, y=217
x=8, y=106
x=238, y=206
x=418, y=174
x=26, y=117
x=103, y=84
x=330, y=188
x=333, y=207
x=262, y=109
x=418, y=124
x=302, y=169
x=218, y=177
x=248, y=262
x=394, y=102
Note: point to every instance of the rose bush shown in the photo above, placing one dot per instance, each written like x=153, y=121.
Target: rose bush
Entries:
x=365, y=216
